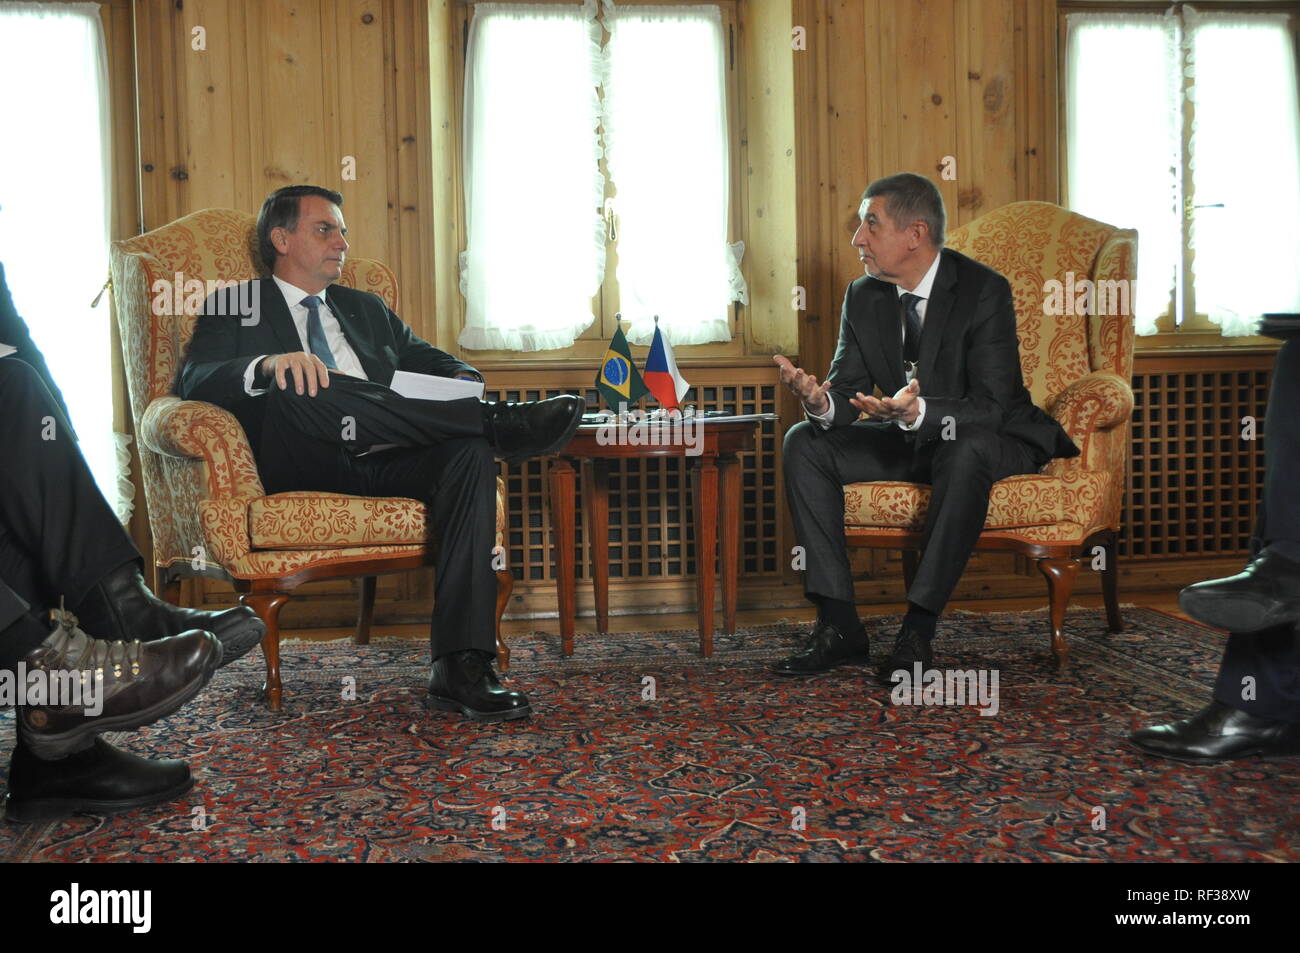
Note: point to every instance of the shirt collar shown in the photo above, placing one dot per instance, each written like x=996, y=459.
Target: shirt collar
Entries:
x=293, y=295
x=922, y=290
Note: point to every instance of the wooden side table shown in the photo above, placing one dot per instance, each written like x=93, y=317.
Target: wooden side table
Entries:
x=716, y=463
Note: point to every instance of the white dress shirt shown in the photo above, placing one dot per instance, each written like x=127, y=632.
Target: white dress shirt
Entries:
x=344, y=356
x=922, y=291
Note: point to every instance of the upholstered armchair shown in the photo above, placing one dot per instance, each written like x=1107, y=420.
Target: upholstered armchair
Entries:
x=208, y=512
x=1079, y=368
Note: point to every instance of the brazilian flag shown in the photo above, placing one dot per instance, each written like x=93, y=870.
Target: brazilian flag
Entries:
x=618, y=380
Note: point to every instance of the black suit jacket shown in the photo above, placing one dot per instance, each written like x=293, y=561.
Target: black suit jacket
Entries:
x=969, y=366
x=14, y=332
x=225, y=341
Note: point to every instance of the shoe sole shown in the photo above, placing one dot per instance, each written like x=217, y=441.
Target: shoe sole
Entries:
x=241, y=643
x=54, y=809
x=54, y=747
x=438, y=703
x=1233, y=614
x=852, y=660
x=555, y=446
x=1264, y=754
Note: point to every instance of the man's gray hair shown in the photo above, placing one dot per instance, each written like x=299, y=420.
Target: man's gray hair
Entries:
x=911, y=198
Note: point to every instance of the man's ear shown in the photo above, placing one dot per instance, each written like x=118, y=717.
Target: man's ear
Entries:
x=279, y=239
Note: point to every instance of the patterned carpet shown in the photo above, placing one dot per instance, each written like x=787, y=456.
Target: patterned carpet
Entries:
x=725, y=762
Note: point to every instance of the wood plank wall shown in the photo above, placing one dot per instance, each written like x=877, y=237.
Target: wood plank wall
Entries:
x=887, y=87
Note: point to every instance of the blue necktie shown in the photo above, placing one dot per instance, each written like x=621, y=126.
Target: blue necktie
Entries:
x=316, y=333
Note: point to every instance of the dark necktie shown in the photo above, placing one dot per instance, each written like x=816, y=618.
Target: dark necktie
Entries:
x=912, y=332
x=316, y=333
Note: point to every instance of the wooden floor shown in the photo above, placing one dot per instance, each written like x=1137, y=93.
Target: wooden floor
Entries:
x=1165, y=601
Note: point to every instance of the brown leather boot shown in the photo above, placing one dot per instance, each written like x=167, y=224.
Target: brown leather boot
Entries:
x=74, y=687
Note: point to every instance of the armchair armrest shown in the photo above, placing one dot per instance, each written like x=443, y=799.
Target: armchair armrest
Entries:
x=201, y=431
x=1095, y=402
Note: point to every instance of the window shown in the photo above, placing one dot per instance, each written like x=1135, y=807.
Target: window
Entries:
x=597, y=175
x=54, y=213
x=1184, y=124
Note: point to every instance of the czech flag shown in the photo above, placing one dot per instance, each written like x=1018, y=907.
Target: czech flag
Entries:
x=661, y=374
x=618, y=380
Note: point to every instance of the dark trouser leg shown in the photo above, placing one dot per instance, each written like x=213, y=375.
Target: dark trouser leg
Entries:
x=961, y=473
x=1271, y=661
x=817, y=464
x=457, y=480
x=352, y=415
x=55, y=521
x=1281, y=509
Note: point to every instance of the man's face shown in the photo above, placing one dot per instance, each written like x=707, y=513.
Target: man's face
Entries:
x=312, y=255
x=883, y=248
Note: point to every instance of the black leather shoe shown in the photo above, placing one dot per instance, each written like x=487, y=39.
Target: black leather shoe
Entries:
x=465, y=682
x=538, y=428
x=99, y=780
x=96, y=685
x=1217, y=733
x=826, y=648
x=1265, y=594
x=910, y=647
x=121, y=606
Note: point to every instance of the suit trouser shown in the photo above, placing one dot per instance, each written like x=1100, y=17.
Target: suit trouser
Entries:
x=58, y=535
x=961, y=473
x=1271, y=659
x=441, y=459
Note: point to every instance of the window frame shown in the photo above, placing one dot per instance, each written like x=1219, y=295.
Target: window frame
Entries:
x=591, y=345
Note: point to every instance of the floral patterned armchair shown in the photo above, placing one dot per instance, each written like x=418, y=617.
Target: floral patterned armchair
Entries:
x=1078, y=367
x=208, y=512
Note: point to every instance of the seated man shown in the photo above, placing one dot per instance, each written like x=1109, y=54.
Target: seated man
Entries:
x=1256, y=706
x=307, y=375
x=938, y=331
x=61, y=542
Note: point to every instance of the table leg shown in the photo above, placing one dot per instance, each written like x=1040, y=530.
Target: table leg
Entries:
x=704, y=479
x=562, y=520
x=597, y=493
x=729, y=512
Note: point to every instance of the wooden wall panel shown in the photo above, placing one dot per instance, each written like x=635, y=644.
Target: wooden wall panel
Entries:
x=895, y=87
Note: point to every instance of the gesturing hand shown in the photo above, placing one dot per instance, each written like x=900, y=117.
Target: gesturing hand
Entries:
x=902, y=406
x=804, y=386
x=308, y=371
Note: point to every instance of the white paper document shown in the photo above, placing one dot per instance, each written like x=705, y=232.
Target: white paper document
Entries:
x=428, y=387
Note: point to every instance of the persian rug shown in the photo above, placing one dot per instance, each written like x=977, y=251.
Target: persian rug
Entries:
x=640, y=750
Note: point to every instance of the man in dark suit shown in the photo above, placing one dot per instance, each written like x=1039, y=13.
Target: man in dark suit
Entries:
x=1256, y=704
x=306, y=370
x=937, y=331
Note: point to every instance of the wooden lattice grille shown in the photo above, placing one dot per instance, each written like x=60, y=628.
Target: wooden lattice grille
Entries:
x=1194, y=483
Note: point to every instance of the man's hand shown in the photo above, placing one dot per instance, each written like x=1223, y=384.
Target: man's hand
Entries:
x=308, y=371
x=804, y=386
x=902, y=406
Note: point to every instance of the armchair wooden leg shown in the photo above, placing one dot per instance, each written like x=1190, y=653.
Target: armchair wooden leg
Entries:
x=505, y=585
x=1110, y=585
x=911, y=559
x=166, y=585
x=366, y=611
x=267, y=606
x=1060, y=575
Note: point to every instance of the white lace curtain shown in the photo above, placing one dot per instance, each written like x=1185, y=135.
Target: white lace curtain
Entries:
x=666, y=146
x=1245, y=156
x=54, y=213
x=1124, y=78
x=534, y=192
